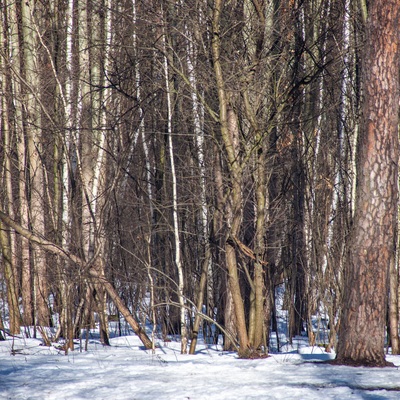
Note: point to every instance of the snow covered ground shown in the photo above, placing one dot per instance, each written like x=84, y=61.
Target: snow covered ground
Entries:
x=127, y=371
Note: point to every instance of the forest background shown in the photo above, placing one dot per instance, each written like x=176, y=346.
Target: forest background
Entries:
x=179, y=162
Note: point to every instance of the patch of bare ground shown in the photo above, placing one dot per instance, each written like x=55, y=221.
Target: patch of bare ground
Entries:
x=360, y=363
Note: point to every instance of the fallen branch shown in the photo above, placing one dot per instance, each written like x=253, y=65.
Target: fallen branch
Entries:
x=67, y=255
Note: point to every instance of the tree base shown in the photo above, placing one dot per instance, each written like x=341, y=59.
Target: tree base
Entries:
x=252, y=354
x=361, y=363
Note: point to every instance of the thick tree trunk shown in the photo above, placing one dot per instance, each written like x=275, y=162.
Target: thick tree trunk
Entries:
x=229, y=132
x=362, y=328
x=17, y=115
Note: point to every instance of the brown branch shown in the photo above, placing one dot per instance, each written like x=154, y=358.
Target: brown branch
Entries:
x=67, y=255
x=246, y=250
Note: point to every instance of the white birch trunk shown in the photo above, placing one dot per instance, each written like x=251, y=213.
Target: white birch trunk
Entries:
x=198, y=114
x=93, y=154
x=178, y=261
x=69, y=124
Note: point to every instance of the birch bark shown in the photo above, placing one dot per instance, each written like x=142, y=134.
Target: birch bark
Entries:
x=177, y=243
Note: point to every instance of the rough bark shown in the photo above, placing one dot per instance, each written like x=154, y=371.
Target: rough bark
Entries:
x=362, y=328
x=393, y=308
x=229, y=133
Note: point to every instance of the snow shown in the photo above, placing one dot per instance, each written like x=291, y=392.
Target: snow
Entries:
x=125, y=370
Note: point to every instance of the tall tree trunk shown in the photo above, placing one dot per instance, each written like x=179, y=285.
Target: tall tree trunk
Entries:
x=177, y=242
x=16, y=107
x=35, y=157
x=298, y=306
x=260, y=299
x=70, y=117
x=198, y=111
x=228, y=310
x=229, y=133
x=8, y=240
x=90, y=143
x=362, y=328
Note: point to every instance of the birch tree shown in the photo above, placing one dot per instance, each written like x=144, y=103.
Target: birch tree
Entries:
x=177, y=241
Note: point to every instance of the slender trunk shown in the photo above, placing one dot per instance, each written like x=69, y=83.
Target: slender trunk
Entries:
x=298, y=306
x=34, y=148
x=91, y=146
x=197, y=111
x=68, y=96
x=259, y=246
x=12, y=289
x=177, y=242
x=200, y=299
x=17, y=91
x=142, y=133
x=8, y=241
x=228, y=310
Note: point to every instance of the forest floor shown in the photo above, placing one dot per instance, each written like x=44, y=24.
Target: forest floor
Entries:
x=126, y=371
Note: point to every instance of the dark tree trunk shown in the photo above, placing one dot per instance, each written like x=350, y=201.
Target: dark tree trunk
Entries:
x=362, y=328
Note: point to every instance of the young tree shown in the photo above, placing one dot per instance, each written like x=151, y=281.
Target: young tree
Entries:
x=371, y=248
